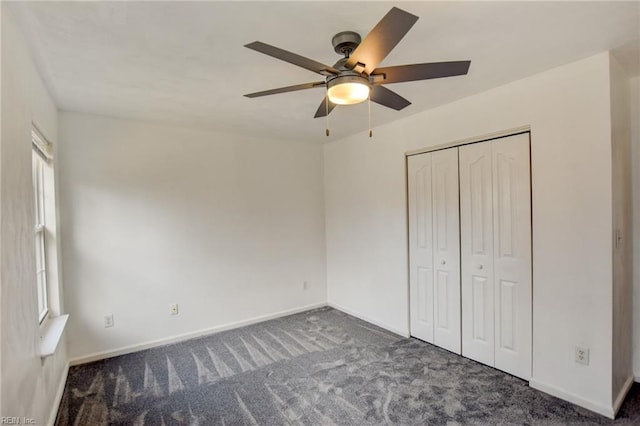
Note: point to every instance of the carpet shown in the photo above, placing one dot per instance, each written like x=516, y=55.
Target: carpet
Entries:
x=320, y=367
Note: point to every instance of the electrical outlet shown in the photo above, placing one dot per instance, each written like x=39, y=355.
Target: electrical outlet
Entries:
x=582, y=355
x=305, y=285
x=173, y=309
x=108, y=321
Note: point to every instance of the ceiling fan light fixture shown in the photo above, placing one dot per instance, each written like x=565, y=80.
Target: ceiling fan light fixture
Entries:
x=356, y=77
x=348, y=89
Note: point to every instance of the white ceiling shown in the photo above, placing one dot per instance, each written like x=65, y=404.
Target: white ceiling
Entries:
x=184, y=62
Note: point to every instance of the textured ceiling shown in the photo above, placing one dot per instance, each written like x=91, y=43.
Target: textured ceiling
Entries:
x=184, y=62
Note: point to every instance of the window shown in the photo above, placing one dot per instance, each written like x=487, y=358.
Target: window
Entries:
x=40, y=160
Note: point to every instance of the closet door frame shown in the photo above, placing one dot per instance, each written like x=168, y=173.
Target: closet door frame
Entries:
x=457, y=144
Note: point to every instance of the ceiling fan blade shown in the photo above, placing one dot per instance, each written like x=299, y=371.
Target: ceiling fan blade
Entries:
x=322, y=109
x=382, y=39
x=415, y=72
x=292, y=58
x=383, y=96
x=286, y=89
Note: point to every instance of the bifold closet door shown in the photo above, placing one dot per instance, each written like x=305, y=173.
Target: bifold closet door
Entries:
x=420, y=247
x=512, y=254
x=446, y=250
x=495, y=215
x=476, y=239
x=434, y=248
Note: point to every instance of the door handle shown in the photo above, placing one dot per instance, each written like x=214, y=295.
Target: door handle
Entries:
x=480, y=266
x=444, y=262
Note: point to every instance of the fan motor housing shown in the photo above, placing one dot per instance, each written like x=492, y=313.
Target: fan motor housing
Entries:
x=347, y=77
x=345, y=42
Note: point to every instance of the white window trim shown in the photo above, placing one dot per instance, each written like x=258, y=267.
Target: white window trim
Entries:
x=51, y=327
x=41, y=145
x=40, y=239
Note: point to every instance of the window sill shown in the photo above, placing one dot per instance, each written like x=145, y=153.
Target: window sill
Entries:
x=51, y=335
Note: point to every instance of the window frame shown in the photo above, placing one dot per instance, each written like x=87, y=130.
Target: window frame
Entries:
x=39, y=162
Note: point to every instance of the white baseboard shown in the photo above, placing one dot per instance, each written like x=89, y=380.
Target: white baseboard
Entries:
x=367, y=319
x=573, y=398
x=190, y=335
x=58, y=398
x=622, y=395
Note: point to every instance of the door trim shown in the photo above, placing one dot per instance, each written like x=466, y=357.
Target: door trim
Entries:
x=495, y=135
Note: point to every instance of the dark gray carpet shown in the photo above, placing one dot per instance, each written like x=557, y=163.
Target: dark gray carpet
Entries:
x=320, y=367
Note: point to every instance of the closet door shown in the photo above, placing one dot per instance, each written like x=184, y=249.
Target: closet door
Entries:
x=420, y=246
x=434, y=248
x=512, y=254
x=476, y=232
x=446, y=249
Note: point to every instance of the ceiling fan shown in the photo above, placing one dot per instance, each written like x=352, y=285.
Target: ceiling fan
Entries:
x=355, y=77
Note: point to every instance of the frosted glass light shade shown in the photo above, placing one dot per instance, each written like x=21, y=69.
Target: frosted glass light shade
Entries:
x=348, y=93
x=348, y=89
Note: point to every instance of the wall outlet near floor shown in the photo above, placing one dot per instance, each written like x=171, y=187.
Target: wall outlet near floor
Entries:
x=305, y=285
x=108, y=321
x=582, y=355
x=173, y=309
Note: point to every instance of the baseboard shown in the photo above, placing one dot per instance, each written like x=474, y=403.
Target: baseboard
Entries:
x=58, y=398
x=573, y=398
x=622, y=395
x=367, y=319
x=190, y=335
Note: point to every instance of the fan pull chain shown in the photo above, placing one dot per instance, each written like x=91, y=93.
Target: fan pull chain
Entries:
x=370, y=131
x=326, y=109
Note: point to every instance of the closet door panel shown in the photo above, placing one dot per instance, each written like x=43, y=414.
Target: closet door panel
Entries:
x=476, y=236
x=446, y=249
x=512, y=254
x=420, y=246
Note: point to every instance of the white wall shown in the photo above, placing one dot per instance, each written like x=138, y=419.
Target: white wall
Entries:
x=29, y=387
x=635, y=225
x=569, y=114
x=228, y=227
